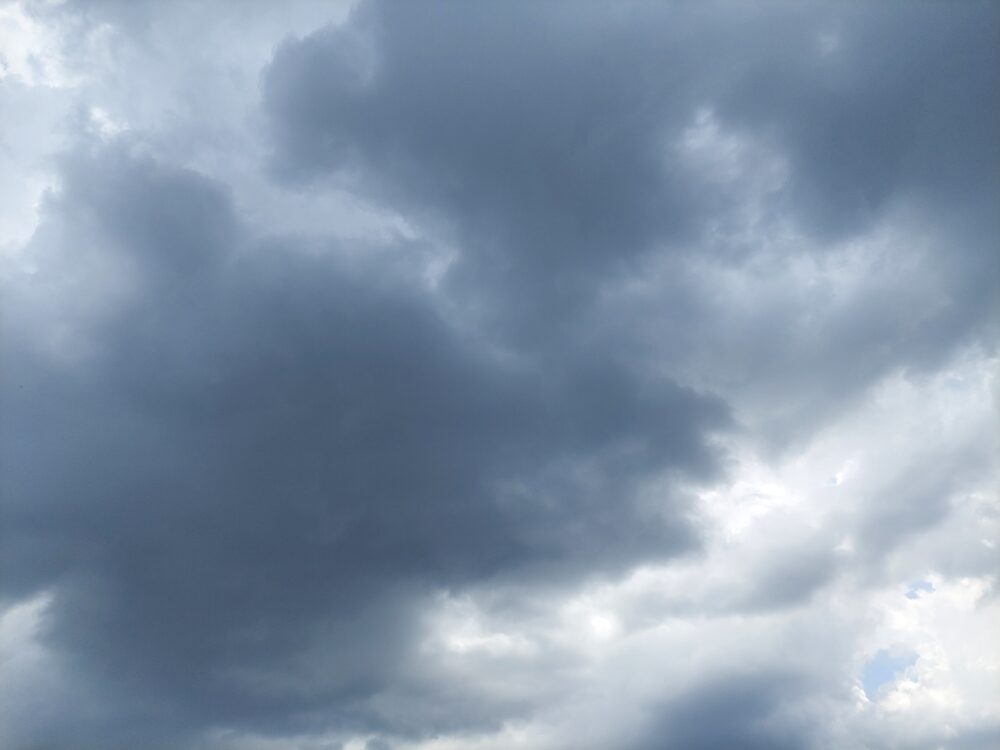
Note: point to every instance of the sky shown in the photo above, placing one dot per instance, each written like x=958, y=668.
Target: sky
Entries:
x=499, y=375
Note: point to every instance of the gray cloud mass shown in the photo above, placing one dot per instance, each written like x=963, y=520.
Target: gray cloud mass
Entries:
x=437, y=375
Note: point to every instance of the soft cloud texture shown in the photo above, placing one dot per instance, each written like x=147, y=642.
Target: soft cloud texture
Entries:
x=488, y=375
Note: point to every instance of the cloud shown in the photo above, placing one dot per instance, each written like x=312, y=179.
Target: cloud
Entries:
x=700, y=161
x=485, y=375
x=260, y=450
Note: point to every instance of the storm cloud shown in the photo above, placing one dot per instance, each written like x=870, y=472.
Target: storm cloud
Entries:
x=436, y=375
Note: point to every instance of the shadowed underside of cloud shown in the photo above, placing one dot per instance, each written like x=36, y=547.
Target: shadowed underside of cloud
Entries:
x=742, y=710
x=244, y=467
x=545, y=135
x=258, y=449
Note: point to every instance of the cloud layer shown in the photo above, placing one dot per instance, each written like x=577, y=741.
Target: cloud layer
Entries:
x=480, y=375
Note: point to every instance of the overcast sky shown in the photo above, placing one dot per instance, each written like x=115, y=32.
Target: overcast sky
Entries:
x=499, y=375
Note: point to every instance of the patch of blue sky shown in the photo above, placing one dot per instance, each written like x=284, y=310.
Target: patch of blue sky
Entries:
x=916, y=588
x=884, y=667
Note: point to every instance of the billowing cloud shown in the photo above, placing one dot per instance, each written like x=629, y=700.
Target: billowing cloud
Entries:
x=500, y=375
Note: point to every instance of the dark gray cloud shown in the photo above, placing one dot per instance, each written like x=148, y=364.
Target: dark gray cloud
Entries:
x=546, y=148
x=544, y=140
x=284, y=485
x=742, y=710
x=264, y=454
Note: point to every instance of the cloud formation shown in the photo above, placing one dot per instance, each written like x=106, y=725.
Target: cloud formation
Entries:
x=500, y=375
